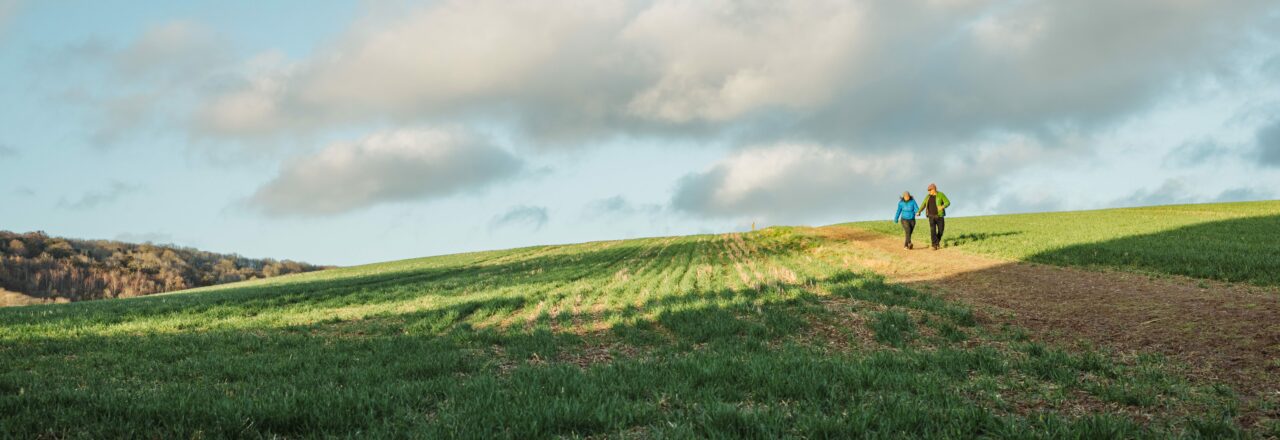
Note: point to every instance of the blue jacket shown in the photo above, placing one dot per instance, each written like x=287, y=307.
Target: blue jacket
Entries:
x=910, y=207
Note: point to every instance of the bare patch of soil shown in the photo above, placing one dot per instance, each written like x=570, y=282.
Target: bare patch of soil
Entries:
x=1224, y=332
x=845, y=328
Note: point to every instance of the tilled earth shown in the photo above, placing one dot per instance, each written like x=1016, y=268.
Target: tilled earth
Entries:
x=1224, y=333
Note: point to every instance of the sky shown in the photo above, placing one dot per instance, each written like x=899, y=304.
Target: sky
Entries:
x=349, y=132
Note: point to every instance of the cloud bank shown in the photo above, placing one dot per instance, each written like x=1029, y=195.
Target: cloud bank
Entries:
x=402, y=165
x=857, y=75
x=821, y=103
x=800, y=182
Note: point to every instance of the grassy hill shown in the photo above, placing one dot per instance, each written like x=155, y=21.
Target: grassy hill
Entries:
x=767, y=334
x=1234, y=242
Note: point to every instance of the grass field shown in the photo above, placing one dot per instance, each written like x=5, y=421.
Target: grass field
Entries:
x=1234, y=242
x=762, y=335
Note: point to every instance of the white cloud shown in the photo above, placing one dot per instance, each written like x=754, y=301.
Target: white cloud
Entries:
x=828, y=104
x=449, y=59
x=769, y=174
x=455, y=50
x=787, y=182
x=252, y=107
x=396, y=166
x=865, y=74
x=719, y=60
x=804, y=182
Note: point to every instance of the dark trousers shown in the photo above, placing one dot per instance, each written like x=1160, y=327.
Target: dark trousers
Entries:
x=936, y=225
x=908, y=226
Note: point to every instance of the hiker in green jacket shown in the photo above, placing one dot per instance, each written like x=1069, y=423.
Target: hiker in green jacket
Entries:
x=935, y=206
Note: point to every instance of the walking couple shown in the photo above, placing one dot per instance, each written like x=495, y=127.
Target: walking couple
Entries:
x=935, y=207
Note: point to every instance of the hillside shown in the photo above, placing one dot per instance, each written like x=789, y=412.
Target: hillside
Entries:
x=36, y=268
x=785, y=332
x=1234, y=242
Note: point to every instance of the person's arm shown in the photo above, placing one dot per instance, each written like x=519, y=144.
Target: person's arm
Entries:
x=898, y=214
x=944, y=201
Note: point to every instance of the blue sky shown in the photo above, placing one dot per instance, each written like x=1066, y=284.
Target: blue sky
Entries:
x=355, y=132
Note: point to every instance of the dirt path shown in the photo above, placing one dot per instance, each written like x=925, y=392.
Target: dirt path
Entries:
x=1224, y=332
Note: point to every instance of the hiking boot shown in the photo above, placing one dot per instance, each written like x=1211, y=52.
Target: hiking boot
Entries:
x=910, y=246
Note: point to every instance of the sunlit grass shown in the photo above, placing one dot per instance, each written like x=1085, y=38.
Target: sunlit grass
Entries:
x=765, y=335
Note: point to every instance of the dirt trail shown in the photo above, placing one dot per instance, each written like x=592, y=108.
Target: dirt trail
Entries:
x=1224, y=332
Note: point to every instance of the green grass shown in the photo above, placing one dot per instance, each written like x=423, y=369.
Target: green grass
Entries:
x=1234, y=242
x=760, y=335
x=894, y=328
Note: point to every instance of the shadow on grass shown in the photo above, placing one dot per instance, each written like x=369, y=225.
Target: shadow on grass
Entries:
x=974, y=237
x=1221, y=338
x=699, y=368
x=345, y=287
x=432, y=373
x=695, y=362
x=1238, y=250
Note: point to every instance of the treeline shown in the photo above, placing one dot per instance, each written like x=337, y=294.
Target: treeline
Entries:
x=40, y=266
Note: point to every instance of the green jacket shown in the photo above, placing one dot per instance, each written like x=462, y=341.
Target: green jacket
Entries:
x=943, y=203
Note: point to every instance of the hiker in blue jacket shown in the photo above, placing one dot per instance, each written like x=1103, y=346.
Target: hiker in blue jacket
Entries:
x=907, y=209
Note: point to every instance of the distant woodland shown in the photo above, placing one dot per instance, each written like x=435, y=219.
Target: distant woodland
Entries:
x=35, y=267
